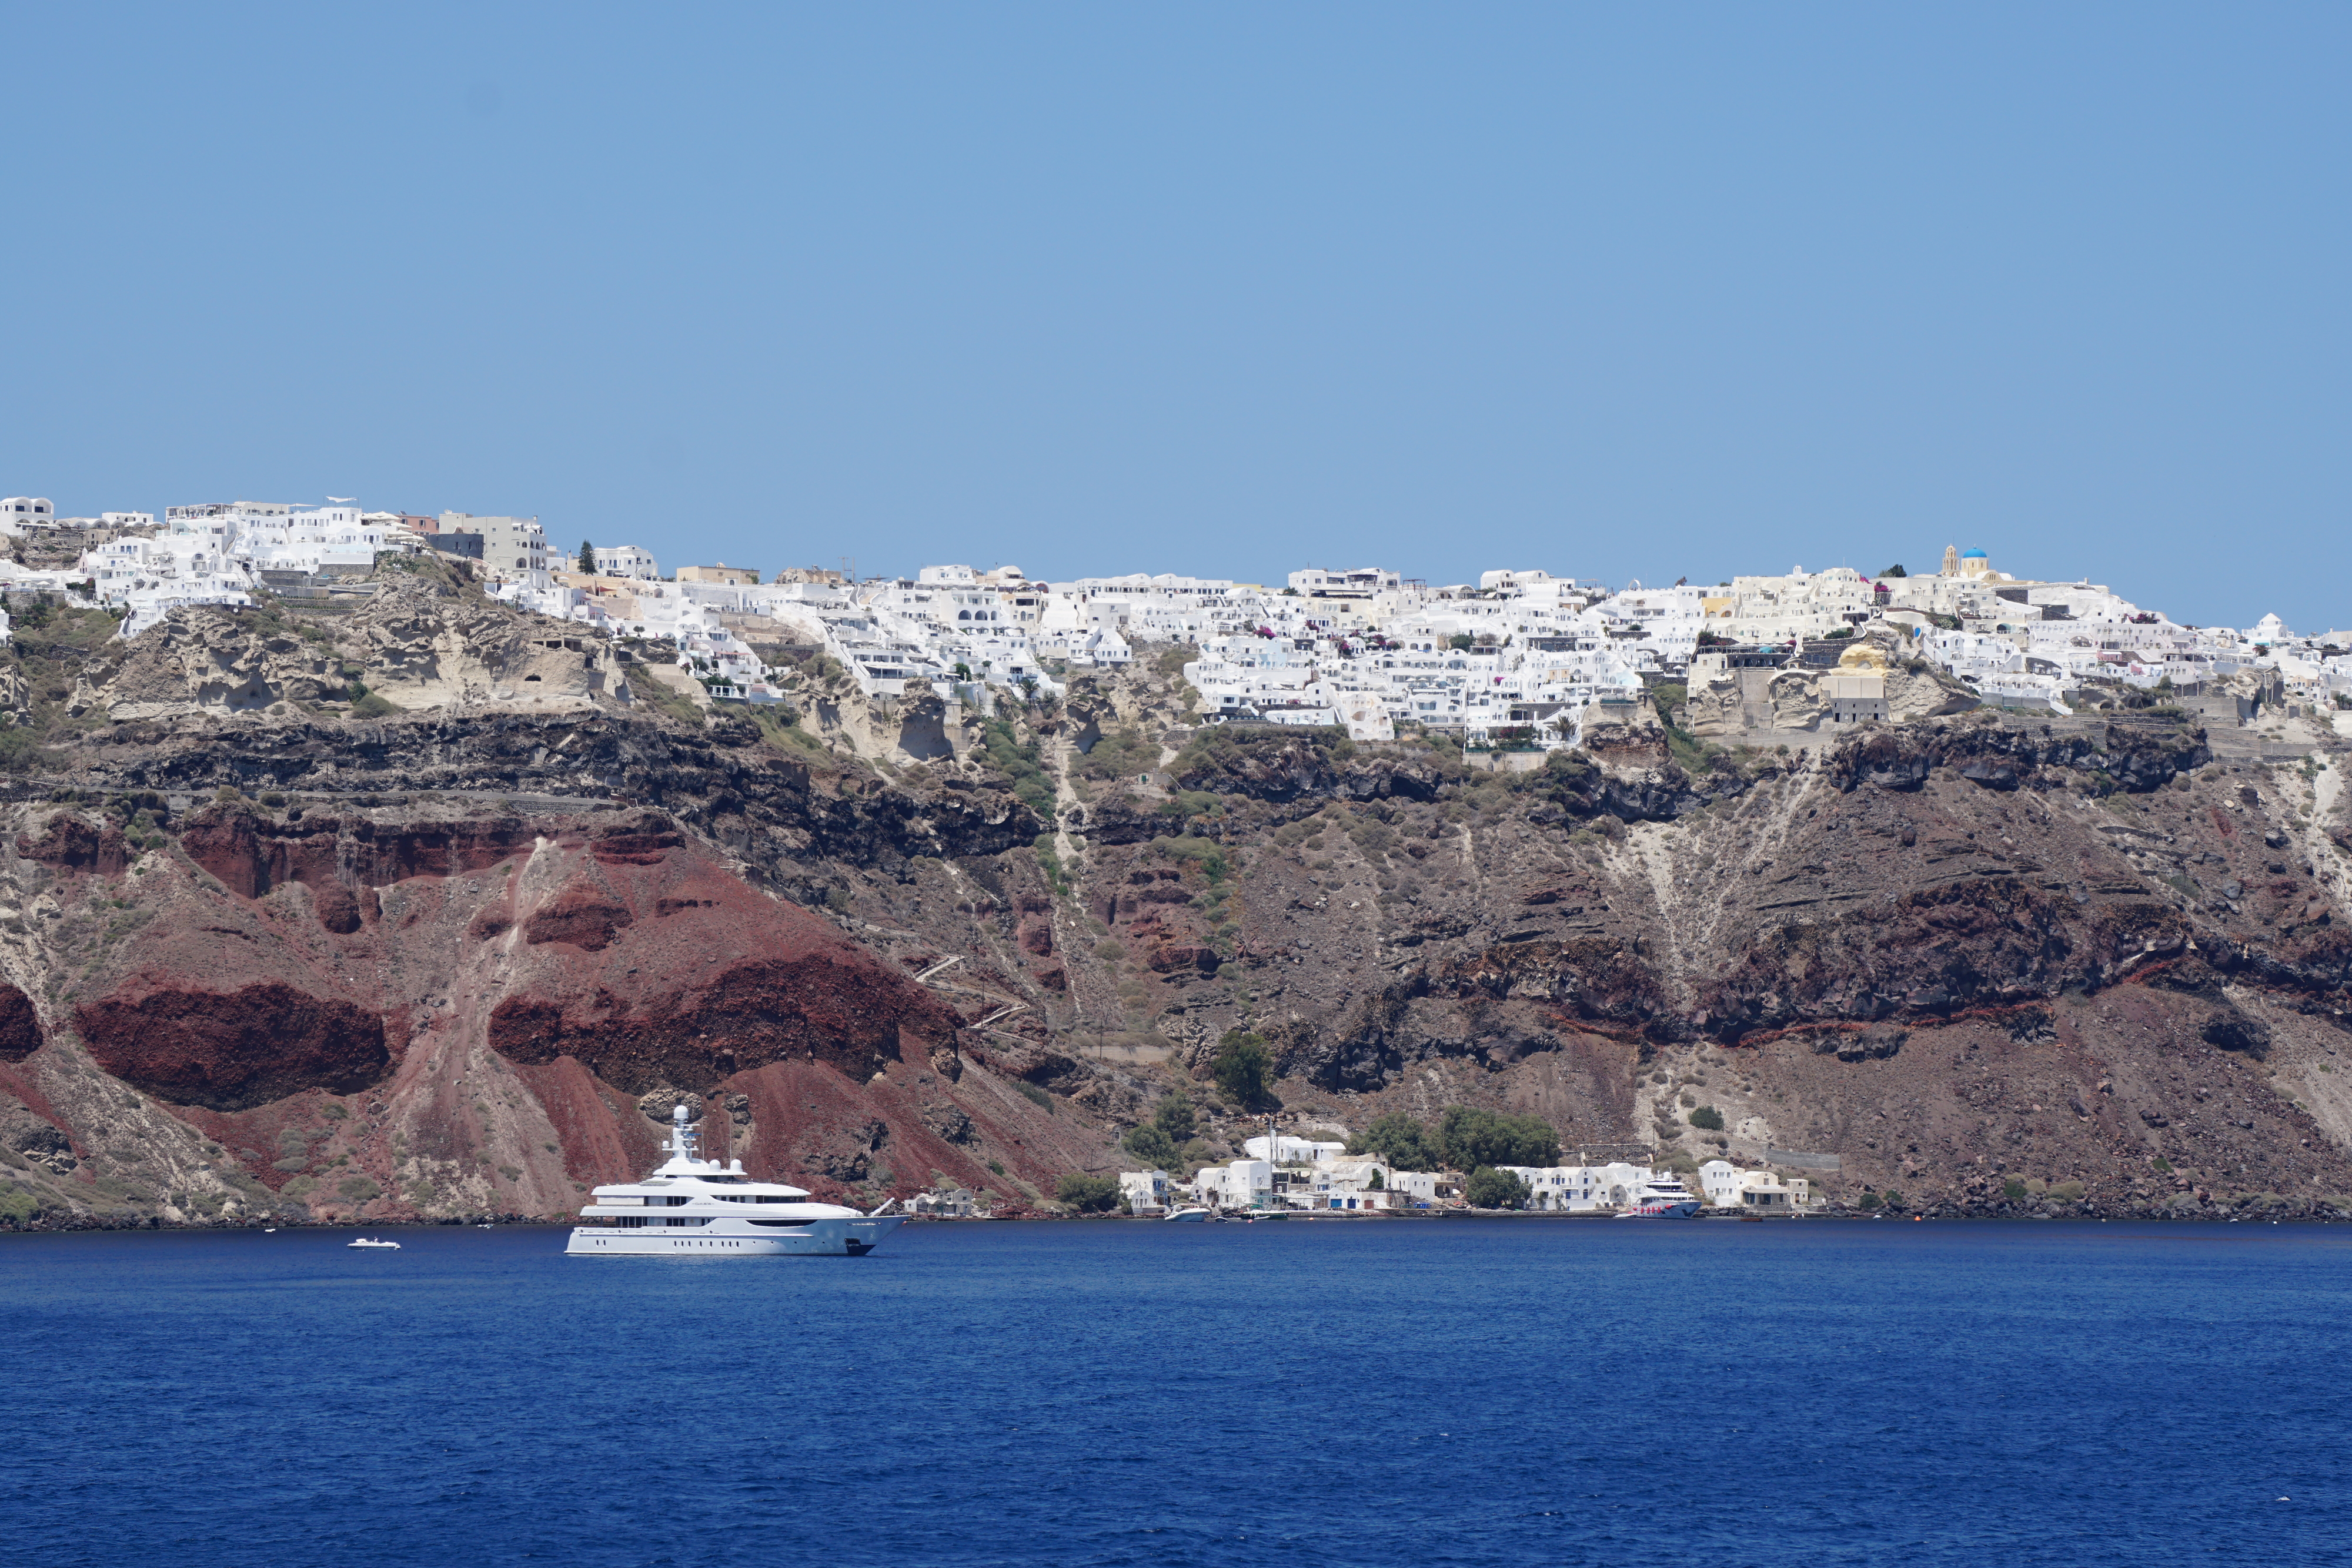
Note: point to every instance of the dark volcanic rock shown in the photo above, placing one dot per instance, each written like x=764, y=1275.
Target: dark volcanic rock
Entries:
x=20, y=1025
x=1997, y=757
x=232, y=1051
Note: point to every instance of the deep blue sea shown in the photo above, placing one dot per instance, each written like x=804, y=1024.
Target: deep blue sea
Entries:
x=1290, y=1396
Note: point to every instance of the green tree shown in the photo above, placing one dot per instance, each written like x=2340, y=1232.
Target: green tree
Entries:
x=1895, y=570
x=587, y=557
x=1490, y=1188
x=1396, y=1138
x=1376, y=1184
x=1468, y=1137
x=1707, y=1118
x=1243, y=1070
x=1087, y=1195
x=1174, y=1116
x=1150, y=1144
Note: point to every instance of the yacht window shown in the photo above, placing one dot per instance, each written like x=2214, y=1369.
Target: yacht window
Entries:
x=755, y=1198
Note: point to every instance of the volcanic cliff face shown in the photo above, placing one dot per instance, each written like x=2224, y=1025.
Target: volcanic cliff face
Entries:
x=484, y=1013
x=1958, y=954
x=270, y=959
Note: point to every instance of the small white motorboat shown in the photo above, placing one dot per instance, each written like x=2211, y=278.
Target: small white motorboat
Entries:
x=385, y=1246
x=1188, y=1216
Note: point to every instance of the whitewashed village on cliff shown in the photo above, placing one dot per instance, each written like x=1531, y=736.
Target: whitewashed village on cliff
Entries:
x=1516, y=664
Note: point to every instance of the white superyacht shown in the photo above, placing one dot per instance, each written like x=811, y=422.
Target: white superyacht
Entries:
x=1662, y=1197
x=694, y=1207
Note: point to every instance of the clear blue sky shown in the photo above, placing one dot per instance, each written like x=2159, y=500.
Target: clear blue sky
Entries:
x=1618, y=291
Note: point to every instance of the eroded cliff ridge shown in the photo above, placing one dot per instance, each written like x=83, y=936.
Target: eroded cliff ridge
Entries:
x=271, y=949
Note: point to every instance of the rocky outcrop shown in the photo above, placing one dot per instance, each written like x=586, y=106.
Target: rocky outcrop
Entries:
x=1796, y=699
x=762, y=807
x=231, y=1050
x=20, y=1024
x=1288, y=765
x=419, y=643
x=2001, y=757
x=1917, y=690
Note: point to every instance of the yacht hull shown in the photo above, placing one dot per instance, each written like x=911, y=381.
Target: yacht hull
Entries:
x=732, y=1237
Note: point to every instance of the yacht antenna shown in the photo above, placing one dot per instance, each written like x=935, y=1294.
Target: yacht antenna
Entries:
x=681, y=1137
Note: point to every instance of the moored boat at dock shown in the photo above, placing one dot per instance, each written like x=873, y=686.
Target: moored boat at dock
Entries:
x=1661, y=1198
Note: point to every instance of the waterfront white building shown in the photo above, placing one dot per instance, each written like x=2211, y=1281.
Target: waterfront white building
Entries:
x=1579, y=1189
x=1243, y=1184
x=1144, y=1192
x=1728, y=1186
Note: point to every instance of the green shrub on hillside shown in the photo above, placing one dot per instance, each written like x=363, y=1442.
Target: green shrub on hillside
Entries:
x=1021, y=761
x=1121, y=754
x=1207, y=853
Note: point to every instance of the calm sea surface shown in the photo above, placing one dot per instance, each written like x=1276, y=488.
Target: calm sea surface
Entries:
x=1265, y=1396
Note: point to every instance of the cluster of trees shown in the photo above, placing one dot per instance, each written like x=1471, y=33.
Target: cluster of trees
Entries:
x=1464, y=1139
x=1490, y=1188
x=1170, y=1140
x=1087, y=1194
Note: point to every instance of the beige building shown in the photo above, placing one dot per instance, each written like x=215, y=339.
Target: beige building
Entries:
x=730, y=576
x=1856, y=689
x=511, y=547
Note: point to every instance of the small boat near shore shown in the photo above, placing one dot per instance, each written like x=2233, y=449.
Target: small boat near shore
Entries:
x=373, y=1245
x=1187, y=1216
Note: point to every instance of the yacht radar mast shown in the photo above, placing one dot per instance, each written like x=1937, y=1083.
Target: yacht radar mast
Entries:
x=683, y=1139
